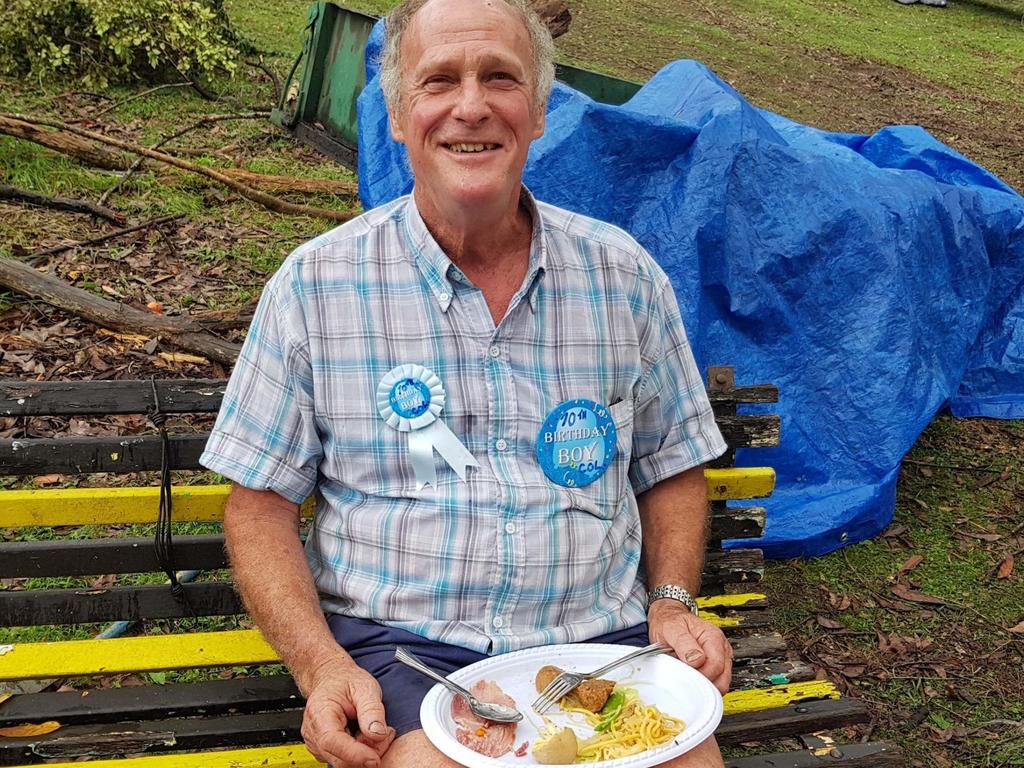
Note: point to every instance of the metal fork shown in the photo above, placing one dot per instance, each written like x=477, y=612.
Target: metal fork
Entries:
x=567, y=682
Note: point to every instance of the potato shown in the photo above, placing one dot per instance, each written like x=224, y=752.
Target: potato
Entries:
x=560, y=749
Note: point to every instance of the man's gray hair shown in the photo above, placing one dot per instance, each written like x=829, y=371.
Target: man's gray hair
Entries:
x=542, y=73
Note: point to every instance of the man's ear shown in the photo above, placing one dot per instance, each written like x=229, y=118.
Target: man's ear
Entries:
x=396, y=126
x=540, y=120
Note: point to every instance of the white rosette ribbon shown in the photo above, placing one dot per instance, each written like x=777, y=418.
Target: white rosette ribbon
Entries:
x=426, y=431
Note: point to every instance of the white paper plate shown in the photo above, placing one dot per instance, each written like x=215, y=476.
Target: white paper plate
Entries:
x=664, y=681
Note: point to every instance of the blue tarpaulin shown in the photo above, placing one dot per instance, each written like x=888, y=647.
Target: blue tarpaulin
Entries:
x=874, y=279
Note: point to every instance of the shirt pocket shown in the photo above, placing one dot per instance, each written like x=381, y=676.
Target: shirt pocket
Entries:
x=603, y=497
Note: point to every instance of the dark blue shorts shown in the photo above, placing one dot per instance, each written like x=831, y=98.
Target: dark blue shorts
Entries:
x=372, y=646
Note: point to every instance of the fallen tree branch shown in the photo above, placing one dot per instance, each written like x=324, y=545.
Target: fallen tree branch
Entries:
x=60, y=203
x=198, y=124
x=112, y=314
x=83, y=151
x=273, y=183
x=267, y=201
x=36, y=257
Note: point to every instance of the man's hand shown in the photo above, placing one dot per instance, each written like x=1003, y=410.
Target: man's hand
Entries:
x=695, y=641
x=342, y=694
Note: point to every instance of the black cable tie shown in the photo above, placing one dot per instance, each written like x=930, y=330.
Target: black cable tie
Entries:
x=163, y=542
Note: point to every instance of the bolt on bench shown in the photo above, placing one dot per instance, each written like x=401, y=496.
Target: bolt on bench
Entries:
x=66, y=536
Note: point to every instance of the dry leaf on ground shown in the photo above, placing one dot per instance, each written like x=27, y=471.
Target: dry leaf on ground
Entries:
x=911, y=563
x=29, y=729
x=916, y=597
x=1005, y=568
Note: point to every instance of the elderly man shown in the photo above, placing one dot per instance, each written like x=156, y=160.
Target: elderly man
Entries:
x=539, y=354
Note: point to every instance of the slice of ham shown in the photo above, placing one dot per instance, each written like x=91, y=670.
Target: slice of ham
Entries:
x=484, y=736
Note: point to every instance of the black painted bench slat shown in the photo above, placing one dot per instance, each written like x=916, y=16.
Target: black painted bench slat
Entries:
x=93, y=557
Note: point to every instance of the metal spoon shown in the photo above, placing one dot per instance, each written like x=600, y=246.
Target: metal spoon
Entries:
x=486, y=710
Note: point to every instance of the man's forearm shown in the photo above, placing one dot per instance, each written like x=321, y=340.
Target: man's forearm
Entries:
x=261, y=530
x=674, y=519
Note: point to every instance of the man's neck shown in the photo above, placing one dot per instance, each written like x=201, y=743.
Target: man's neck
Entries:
x=483, y=241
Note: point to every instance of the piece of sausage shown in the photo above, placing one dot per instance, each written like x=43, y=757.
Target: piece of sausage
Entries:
x=545, y=675
x=592, y=694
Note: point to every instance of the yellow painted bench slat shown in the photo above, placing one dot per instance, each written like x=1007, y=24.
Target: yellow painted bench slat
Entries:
x=205, y=503
x=740, y=483
x=73, y=658
x=757, y=699
x=730, y=601
x=287, y=756
x=26, y=661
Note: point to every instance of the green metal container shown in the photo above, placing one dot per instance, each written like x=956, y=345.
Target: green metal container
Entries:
x=319, y=106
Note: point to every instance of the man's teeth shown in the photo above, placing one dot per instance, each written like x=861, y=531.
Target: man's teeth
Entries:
x=471, y=147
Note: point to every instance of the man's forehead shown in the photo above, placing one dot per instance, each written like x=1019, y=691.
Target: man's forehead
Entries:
x=457, y=20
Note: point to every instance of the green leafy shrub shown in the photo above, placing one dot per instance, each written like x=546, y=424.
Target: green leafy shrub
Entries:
x=98, y=42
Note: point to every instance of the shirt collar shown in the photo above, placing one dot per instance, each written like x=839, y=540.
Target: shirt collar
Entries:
x=437, y=269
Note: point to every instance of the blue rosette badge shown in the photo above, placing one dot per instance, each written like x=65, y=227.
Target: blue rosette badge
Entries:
x=410, y=398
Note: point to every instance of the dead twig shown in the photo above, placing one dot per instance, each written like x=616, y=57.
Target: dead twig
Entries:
x=208, y=120
x=938, y=465
x=117, y=104
x=257, y=64
x=38, y=256
x=268, y=201
x=60, y=203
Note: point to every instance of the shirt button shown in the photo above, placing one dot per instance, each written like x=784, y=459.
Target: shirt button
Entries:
x=444, y=297
x=498, y=622
x=495, y=351
x=501, y=444
x=510, y=527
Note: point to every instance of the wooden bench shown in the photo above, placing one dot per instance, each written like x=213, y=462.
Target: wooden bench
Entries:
x=68, y=535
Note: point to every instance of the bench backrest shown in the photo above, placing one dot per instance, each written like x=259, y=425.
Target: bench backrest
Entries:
x=104, y=555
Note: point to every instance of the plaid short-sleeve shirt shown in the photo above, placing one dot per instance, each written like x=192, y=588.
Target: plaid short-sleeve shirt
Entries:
x=506, y=559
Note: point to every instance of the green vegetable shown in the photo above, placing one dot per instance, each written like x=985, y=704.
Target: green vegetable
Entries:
x=611, y=710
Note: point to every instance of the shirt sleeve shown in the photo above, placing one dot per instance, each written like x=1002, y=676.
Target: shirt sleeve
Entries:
x=674, y=428
x=265, y=436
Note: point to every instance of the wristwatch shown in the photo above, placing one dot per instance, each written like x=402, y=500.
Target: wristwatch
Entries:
x=673, y=592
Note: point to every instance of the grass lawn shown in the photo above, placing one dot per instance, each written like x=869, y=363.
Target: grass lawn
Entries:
x=917, y=621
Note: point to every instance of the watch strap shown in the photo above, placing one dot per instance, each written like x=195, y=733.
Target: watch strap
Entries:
x=672, y=592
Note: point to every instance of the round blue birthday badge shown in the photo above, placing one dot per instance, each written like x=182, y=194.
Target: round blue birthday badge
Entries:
x=576, y=443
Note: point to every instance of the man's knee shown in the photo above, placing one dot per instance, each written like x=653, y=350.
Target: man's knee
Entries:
x=704, y=755
x=414, y=749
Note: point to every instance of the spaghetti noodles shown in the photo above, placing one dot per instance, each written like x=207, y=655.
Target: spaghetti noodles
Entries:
x=637, y=728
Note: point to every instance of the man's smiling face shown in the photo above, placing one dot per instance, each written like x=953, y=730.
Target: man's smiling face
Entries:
x=467, y=111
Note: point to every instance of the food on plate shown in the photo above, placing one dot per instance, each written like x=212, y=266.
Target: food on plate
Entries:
x=484, y=736
x=591, y=694
x=625, y=726
x=556, y=746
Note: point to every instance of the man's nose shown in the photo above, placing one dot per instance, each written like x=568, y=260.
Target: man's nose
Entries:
x=471, y=104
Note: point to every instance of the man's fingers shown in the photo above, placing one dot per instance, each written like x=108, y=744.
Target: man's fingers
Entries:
x=341, y=750
x=369, y=712
x=688, y=650
x=379, y=746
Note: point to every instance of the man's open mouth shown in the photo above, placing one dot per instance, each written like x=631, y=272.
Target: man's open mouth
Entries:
x=470, y=147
